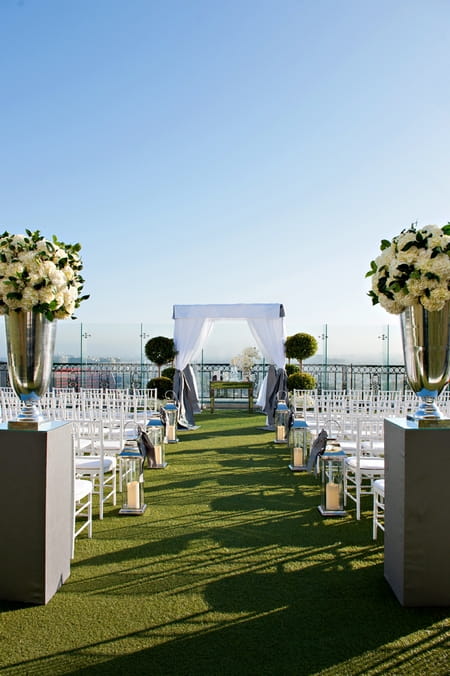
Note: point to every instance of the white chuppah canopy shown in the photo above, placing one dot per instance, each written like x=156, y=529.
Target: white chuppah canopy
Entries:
x=193, y=324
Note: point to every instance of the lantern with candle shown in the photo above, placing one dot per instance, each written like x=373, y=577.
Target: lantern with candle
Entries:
x=299, y=446
x=132, y=473
x=282, y=414
x=155, y=431
x=171, y=417
x=331, y=466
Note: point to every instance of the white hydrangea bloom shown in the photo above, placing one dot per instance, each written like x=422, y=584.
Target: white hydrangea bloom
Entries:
x=427, y=254
x=437, y=299
x=31, y=271
x=391, y=306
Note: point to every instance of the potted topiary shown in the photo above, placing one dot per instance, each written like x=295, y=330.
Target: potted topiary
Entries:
x=161, y=384
x=301, y=381
x=160, y=350
x=300, y=346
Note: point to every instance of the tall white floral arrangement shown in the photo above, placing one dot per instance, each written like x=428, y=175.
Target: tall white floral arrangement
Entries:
x=413, y=268
x=40, y=275
x=245, y=360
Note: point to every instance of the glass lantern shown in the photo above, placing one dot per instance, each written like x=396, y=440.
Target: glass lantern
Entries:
x=155, y=431
x=132, y=473
x=331, y=467
x=299, y=446
x=171, y=415
x=282, y=414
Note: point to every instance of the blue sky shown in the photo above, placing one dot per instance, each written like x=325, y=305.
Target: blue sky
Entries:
x=223, y=152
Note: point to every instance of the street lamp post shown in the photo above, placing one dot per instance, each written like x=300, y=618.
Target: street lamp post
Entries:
x=142, y=336
x=324, y=337
x=385, y=338
x=83, y=336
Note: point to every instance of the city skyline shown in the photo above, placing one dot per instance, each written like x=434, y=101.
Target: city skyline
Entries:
x=227, y=339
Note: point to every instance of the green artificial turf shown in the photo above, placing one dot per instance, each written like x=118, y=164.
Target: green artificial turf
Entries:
x=231, y=570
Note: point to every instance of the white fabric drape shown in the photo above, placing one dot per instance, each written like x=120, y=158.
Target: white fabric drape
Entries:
x=189, y=337
x=270, y=338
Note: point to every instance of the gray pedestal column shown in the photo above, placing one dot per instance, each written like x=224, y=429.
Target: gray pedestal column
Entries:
x=417, y=513
x=36, y=511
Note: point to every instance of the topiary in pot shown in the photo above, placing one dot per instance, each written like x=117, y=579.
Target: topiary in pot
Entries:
x=169, y=372
x=162, y=385
x=160, y=350
x=301, y=381
x=300, y=346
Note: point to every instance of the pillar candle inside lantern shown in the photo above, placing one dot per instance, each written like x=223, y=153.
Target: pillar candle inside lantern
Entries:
x=133, y=494
x=280, y=433
x=158, y=454
x=171, y=433
x=332, y=496
x=298, y=456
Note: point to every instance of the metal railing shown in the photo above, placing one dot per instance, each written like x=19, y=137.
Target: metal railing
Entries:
x=120, y=375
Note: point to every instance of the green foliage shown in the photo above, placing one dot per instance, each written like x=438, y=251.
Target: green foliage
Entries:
x=160, y=350
x=169, y=372
x=301, y=381
x=292, y=368
x=300, y=346
x=162, y=385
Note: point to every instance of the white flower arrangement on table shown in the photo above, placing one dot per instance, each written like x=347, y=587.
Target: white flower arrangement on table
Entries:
x=413, y=269
x=245, y=360
x=39, y=275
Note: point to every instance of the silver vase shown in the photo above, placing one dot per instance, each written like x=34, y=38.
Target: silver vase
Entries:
x=30, y=341
x=426, y=349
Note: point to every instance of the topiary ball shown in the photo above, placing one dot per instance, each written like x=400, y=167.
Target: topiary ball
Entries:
x=301, y=381
x=162, y=385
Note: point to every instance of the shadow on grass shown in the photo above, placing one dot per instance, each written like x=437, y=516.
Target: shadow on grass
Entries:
x=277, y=623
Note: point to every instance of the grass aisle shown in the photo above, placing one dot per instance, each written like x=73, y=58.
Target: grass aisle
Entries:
x=231, y=570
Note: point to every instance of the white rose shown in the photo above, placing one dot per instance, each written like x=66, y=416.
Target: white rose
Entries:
x=70, y=294
x=14, y=269
x=46, y=294
x=30, y=296
x=68, y=273
x=28, y=258
x=58, y=279
x=50, y=268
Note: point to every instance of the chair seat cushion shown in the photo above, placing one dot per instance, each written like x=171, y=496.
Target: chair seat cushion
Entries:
x=82, y=488
x=91, y=463
x=349, y=446
x=365, y=463
x=378, y=486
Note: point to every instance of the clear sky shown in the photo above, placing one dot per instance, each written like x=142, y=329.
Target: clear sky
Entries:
x=204, y=151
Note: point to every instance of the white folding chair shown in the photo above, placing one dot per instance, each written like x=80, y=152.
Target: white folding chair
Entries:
x=99, y=466
x=82, y=515
x=367, y=463
x=378, y=506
